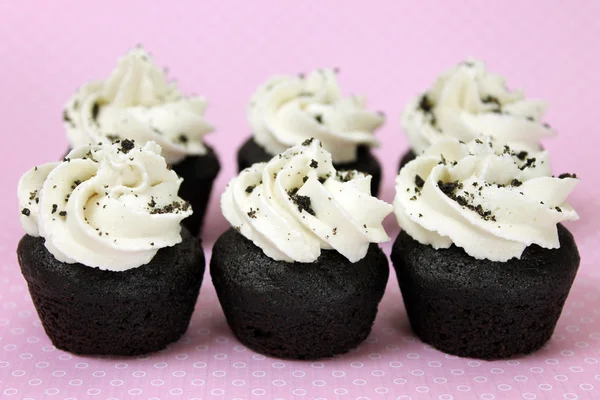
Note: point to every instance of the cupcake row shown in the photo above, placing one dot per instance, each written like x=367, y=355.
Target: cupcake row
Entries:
x=483, y=261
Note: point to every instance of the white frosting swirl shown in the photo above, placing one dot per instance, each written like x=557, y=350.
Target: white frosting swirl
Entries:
x=297, y=204
x=138, y=103
x=467, y=101
x=490, y=200
x=106, y=206
x=287, y=110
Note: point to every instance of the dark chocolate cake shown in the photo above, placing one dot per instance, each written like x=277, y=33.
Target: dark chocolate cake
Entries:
x=297, y=310
x=86, y=310
x=481, y=308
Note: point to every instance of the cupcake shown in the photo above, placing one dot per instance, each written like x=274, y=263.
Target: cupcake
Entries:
x=109, y=267
x=467, y=100
x=483, y=263
x=300, y=276
x=137, y=102
x=287, y=110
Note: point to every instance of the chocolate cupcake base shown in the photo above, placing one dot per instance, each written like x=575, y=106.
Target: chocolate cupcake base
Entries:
x=198, y=173
x=480, y=308
x=297, y=310
x=406, y=158
x=86, y=310
x=251, y=153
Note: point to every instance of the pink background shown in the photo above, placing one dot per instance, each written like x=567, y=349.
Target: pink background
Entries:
x=387, y=50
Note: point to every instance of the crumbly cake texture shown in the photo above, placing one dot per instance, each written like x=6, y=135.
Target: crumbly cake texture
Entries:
x=198, y=173
x=251, y=153
x=480, y=308
x=297, y=310
x=86, y=310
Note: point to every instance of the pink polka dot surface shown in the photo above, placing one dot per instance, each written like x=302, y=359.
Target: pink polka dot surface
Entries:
x=388, y=52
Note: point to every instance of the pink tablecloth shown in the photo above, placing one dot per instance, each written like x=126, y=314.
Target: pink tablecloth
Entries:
x=387, y=50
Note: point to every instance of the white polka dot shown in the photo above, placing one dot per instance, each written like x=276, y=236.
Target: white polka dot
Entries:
x=434, y=364
x=536, y=370
x=586, y=386
x=59, y=373
x=258, y=392
x=99, y=374
x=377, y=372
x=381, y=390
x=299, y=392
x=408, y=339
x=319, y=383
x=278, y=382
x=504, y=386
x=552, y=361
x=513, y=362
x=176, y=391
x=278, y=365
x=220, y=356
x=463, y=388
x=48, y=348
x=239, y=348
x=52, y=391
x=298, y=374
x=576, y=369
x=590, y=360
x=400, y=381
x=422, y=389
x=572, y=328
x=35, y=382
x=198, y=382
x=545, y=386
x=202, y=347
x=75, y=382
x=528, y=396
x=10, y=391
x=520, y=378
x=395, y=364
x=217, y=392
x=258, y=357
x=359, y=382
x=457, y=372
x=259, y=374
x=356, y=364
x=20, y=372
x=392, y=347
x=445, y=397
x=340, y=391
x=487, y=396
x=480, y=379
x=182, y=356
x=417, y=372
x=157, y=382
x=199, y=364
x=497, y=371
x=440, y=380
x=450, y=356
x=64, y=357
x=374, y=356
x=219, y=374
x=404, y=397
x=4, y=364
x=473, y=364
x=42, y=364
x=317, y=365
x=413, y=356
x=179, y=374
x=566, y=353
x=570, y=396
x=238, y=382
x=161, y=365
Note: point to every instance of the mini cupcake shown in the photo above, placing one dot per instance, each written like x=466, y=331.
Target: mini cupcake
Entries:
x=137, y=102
x=300, y=276
x=467, y=100
x=483, y=263
x=109, y=267
x=287, y=110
